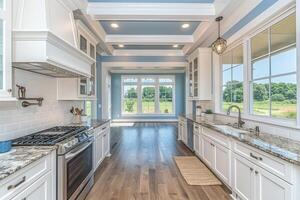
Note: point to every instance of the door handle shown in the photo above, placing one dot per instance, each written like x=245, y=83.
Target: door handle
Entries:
x=256, y=157
x=17, y=184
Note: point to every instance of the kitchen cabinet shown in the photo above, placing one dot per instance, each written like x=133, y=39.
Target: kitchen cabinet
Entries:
x=200, y=74
x=197, y=140
x=269, y=186
x=182, y=130
x=208, y=151
x=77, y=88
x=39, y=190
x=252, y=182
x=36, y=181
x=222, y=160
x=243, y=178
x=5, y=51
x=101, y=144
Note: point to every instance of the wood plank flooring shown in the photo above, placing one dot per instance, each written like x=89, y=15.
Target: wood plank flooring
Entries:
x=142, y=167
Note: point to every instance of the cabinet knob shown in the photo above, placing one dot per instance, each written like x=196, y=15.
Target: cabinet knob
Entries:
x=256, y=172
x=9, y=90
x=251, y=169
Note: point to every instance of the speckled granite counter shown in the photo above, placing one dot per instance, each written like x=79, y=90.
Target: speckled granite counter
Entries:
x=280, y=147
x=20, y=157
x=94, y=123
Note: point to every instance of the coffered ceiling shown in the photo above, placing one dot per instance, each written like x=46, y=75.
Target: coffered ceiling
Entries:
x=171, y=26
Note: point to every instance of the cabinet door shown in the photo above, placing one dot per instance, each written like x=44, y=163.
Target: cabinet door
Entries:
x=179, y=137
x=5, y=50
x=39, y=190
x=105, y=142
x=222, y=162
x=196, y=78
x=243, y=177
x=208, y=151
x=184, y=133
x=269, y=186
x=98, y=154
x=190, y=79
x=196, y=144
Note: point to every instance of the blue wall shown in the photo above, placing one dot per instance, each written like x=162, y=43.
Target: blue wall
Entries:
x=179, y=97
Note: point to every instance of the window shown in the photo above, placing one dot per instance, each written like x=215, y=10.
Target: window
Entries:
x=144, y=95
x=273, y=84
x=88, y=108
x=232, y=78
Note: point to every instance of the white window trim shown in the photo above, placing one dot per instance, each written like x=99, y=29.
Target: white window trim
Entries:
x=139, y=95
x=245, y=40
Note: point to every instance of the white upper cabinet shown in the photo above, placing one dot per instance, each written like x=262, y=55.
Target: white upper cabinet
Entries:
x=199, y=74
x=5, y=51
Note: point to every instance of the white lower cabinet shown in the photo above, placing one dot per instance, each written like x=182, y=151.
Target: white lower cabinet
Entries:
x=269, y=186
x=208, y=152
x=39, y=190
x=253, y=182
x=101, y=144
x=222, y=162
x=36, y=181
x=243, y=179
x=197, y=144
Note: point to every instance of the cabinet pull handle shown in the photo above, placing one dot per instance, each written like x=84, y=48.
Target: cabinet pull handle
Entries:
x=255, y=157
x=17, y=184
x=103, y=128
x=24, y=198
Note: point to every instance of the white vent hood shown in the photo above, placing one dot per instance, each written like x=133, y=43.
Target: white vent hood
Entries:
x=45, y=39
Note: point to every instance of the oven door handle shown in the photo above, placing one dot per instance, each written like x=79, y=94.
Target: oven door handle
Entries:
x=74, y=153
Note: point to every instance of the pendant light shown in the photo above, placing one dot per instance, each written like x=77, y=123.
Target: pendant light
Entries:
x=220, y=45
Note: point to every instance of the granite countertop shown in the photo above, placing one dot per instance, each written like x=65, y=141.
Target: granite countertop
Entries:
x=94, y=123
x=20, y=157
x=284, y=148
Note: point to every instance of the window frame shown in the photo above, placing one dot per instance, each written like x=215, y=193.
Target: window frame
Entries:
x=245, y=41
x=139, y=85
x=230, y=50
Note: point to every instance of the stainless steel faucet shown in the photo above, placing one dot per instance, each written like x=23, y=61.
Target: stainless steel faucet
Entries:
x=240, y=122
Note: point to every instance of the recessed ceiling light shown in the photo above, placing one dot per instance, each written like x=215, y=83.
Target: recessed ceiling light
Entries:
x=114, y=25
x=175, y=45
x=185, y=25
x=121, y=45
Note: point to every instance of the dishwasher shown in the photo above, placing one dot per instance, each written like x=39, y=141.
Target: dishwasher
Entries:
x=190, y=134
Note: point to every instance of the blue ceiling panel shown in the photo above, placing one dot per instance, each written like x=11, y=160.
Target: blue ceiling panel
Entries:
x=148, y=47
x=260, y=8
x=149, y=27
x=152, y=1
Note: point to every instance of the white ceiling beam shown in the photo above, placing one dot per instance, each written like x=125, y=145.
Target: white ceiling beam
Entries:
x=149, y=39
x=152, y=11
x=127, y=52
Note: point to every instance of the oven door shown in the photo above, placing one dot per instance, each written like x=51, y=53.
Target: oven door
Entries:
x=75, y=169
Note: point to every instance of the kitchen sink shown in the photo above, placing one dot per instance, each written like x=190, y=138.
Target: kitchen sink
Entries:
x=231, y=130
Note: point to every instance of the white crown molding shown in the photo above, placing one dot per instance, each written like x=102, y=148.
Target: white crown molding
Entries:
x=151, y=11
x=146, y=71
x=134, y=65
x=77, y=4
x=149, y=39
x=148, y=53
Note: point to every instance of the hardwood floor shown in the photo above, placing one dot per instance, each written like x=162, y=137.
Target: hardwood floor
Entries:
x=142, y=167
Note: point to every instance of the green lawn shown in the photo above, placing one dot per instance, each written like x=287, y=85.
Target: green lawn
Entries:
x=279, y=109
x=147, y=107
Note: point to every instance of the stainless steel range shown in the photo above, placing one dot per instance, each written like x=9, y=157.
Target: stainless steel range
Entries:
x=75, y=175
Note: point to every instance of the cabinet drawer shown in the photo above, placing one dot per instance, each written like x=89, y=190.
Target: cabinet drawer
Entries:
x=15, y=183
x=217, y=137
x=270, y=163
x=100, y=130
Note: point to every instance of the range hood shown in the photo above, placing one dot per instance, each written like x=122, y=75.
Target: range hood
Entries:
x=45, y=39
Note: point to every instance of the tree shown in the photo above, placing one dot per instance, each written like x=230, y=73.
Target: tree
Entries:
x=260, y=93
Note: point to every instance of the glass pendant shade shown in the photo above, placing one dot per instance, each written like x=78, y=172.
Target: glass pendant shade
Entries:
x=220, y=45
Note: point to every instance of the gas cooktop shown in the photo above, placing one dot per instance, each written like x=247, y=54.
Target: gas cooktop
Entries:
x=49, y=136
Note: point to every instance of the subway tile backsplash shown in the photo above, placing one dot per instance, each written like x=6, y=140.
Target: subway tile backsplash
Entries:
x=16, y=121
